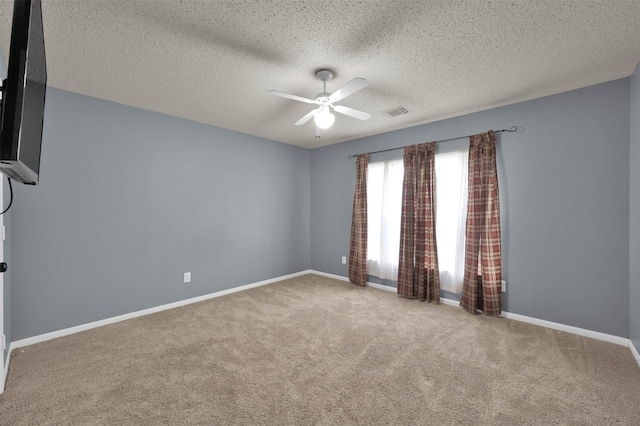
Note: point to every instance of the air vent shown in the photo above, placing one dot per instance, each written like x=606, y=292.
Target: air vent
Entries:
x=395, y=111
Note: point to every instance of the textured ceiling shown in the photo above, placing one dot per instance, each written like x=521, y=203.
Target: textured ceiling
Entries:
x=213, y=61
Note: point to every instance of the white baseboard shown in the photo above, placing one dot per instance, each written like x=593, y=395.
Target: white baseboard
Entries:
x=443, y=300
x=634, y=352
x=568, y=328
x=67, y=331
x=517, y=317
x=450, y=302
x=382, y=287
x=324, y=274
x=6, y=369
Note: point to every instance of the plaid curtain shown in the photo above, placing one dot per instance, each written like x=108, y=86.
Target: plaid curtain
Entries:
x=418, y=274
x=358, y=242
x=483, y=229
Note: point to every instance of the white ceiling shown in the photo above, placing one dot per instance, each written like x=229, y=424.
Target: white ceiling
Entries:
x=213, y=61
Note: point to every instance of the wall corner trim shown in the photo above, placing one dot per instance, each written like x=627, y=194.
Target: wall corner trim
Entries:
x=634, y=352
x=6, y=368
x=72, y=330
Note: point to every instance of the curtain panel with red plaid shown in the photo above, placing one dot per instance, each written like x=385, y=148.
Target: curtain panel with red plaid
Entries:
x=418, y=274
x=483, y=229
x=358, y=242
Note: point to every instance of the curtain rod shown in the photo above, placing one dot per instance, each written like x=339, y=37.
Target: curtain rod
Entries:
x=511, y=130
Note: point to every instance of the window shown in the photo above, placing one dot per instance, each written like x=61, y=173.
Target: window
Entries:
x=384, y=210
x=451, y=217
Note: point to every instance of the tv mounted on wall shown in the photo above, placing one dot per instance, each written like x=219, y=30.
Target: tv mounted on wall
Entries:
x=23, y=95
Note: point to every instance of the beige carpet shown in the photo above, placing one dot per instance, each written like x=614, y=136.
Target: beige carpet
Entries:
x=312, y=350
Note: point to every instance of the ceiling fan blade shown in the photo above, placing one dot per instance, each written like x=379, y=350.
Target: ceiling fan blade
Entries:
x=288, y=96
x=349, y=88
x=307, y=117
x=360, y=115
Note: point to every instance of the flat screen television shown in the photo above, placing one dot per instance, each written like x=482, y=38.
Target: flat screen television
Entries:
x=23, y=95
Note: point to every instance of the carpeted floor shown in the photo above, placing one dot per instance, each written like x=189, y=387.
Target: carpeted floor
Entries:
x=312, y=350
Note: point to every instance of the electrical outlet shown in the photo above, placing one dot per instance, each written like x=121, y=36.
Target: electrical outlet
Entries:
x=504, y=285
x=187, y=277
x=344, y=260
x=4, y=342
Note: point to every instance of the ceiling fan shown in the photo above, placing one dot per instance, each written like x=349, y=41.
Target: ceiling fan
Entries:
x=325, y=101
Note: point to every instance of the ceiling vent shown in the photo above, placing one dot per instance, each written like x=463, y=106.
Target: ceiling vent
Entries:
x=395, y=111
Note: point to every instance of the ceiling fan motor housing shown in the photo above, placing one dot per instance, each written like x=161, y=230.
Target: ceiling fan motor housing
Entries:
x=324, y=75
x=323, y=98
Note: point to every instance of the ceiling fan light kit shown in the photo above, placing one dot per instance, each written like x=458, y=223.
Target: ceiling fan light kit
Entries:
x=324, y=119
x=322, y=115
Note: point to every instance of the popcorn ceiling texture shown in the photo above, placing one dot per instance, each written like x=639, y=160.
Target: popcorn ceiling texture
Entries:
x=213, y=61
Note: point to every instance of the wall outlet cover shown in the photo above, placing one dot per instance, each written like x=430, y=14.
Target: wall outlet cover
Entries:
x=187, y=277
x=344, y=260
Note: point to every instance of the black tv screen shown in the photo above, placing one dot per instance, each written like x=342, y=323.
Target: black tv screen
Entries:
x=24, y=93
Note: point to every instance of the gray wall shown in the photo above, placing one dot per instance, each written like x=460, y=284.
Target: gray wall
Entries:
x=6, y=309
x=130, y=199
x=564, y=186
x=634, y=208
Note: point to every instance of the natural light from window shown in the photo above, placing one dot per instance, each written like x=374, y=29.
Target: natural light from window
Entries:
x=384, y=210
x=451, y=215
